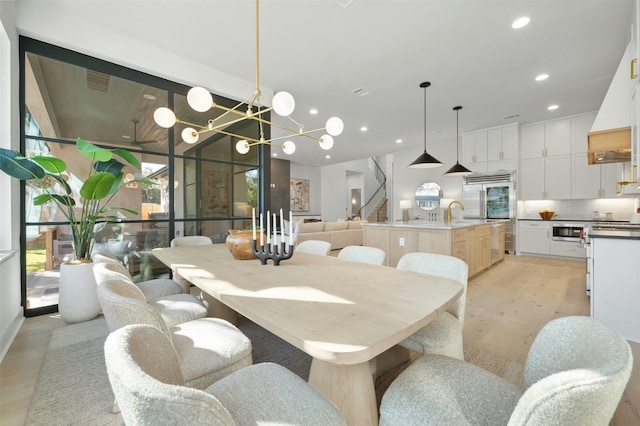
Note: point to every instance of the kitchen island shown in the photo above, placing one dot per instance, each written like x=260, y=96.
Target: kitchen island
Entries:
x=480, y=243
x=615, y=291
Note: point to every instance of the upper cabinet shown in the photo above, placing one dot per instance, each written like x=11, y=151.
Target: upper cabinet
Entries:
x=491, y=149
x=546, y=139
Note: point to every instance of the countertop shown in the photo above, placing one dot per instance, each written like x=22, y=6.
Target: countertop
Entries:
x=615, y=234
x=418, y=224
x=563, y=219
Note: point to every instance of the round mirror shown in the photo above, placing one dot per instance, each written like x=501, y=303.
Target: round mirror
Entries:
x=428, y=196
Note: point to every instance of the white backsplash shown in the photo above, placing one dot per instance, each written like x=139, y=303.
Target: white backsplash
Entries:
x=621, y=208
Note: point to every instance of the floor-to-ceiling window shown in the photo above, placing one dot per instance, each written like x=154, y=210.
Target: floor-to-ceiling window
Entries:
x=201, y=189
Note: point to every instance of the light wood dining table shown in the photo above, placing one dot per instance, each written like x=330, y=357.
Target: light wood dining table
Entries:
x=342, y=313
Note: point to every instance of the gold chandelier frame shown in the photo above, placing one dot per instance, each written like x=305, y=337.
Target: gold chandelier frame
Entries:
x=201, y=100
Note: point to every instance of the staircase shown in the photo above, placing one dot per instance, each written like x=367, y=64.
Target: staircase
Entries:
x=379, y=212
x=375, y=209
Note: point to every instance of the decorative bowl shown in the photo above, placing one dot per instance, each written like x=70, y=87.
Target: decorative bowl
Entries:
x=240, y=244
x=546, y=214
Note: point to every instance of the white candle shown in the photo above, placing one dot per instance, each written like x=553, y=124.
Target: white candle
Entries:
x=261, y=233
x=275, y=229
x=290, y=230
x=253, y=222
x=281, y=226
x=268, y=227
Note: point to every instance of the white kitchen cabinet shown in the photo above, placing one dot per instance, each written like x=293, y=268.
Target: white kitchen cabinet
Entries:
x=546, y=139
x=474, y=148
x=534, y=237
x=615, y=292
x=546, y=178
x=593, y=181
x=502, y=143
x=567, y=249
x=580, y=128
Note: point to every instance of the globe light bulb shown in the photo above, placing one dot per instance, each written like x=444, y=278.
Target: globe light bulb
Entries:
x=242, y=146
x=288, y=147
x=199, y=99
x=190, y=135
x=334, y=126
x=283, y=104
x=326, y=142
x=164, y=117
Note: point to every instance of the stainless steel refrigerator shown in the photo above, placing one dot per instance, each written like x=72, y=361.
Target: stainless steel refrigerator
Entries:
x=492, y=196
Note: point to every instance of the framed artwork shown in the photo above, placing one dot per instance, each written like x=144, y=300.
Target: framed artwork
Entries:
x=299, y=192
x=215, y=192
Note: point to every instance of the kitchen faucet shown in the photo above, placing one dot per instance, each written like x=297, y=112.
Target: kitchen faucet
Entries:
x=449, y=209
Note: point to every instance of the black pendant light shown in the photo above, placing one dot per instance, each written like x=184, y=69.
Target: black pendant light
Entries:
x=458, y=169
x=425, y=160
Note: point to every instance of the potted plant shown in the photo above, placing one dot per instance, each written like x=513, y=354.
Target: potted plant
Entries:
x=87, y=212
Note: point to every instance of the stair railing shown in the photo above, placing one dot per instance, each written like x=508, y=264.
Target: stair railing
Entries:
x=380, y=192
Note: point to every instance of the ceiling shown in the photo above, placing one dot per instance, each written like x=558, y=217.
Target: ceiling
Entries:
x=322, y=51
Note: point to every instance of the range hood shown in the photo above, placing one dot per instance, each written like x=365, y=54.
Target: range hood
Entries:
x=610, y=138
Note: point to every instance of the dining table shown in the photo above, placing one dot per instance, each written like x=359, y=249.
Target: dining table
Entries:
x=340, y=312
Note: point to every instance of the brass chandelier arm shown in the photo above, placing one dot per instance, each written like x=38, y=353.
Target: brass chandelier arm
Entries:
x=283, y=104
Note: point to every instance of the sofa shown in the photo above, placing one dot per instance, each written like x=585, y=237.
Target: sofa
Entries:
x=339, y=234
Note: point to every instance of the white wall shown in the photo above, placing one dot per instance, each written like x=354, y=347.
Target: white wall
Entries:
x=10, y=299
x=406, y=180
x=313, y=175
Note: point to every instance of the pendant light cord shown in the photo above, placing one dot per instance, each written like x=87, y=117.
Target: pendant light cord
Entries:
x=425, y=119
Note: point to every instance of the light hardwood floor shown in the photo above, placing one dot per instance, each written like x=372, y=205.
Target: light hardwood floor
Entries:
x=506, y=307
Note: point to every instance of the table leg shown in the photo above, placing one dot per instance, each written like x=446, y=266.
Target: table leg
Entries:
x=349, y=387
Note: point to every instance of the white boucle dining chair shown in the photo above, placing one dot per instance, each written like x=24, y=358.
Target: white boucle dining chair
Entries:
x=152, y=289
x=175, y=308
x=318, y=247
x=575, y=373
x=443, y=335
x=147, y=380
x=363, y=254
x=207, y=348
x=191, y=240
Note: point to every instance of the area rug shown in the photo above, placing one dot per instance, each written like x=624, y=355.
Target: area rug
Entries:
x=73, y=387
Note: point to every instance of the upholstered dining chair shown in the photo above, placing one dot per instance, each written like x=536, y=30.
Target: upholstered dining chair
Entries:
x=191, y=240
x=314, y=247
x=363, y=254
x=147, y=380
x=443, y=335
x=152, y=289
x=575, y=373
x=174, y=308
x=208, y=348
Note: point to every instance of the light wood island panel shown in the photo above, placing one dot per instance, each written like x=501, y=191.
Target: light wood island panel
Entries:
x=469, y=241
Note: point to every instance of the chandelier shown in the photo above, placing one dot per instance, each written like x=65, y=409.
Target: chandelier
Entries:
x=283, y=104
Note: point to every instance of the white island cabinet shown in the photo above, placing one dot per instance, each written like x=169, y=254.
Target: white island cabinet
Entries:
x=615, y=293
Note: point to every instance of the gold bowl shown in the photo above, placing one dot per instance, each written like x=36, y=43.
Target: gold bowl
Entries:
x=546, y=214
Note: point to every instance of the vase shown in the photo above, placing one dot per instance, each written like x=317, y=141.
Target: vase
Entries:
x=77, y=292
x=240, y=243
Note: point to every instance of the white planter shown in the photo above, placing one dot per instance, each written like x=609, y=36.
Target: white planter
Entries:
x=77, y=293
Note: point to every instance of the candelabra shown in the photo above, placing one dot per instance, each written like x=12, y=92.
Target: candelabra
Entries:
x=275, y=252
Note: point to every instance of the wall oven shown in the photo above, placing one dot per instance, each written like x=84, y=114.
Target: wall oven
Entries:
x=567, y=232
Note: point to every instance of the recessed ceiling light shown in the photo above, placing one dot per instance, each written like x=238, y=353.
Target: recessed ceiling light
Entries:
x=275, y=154
x=313, y=111
x=552, y=107
x=398, y=140
x=327, y=156
x=149, y=96
x=126, y=137
x=363, y=129
x=542, y=77
x=520, y=22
